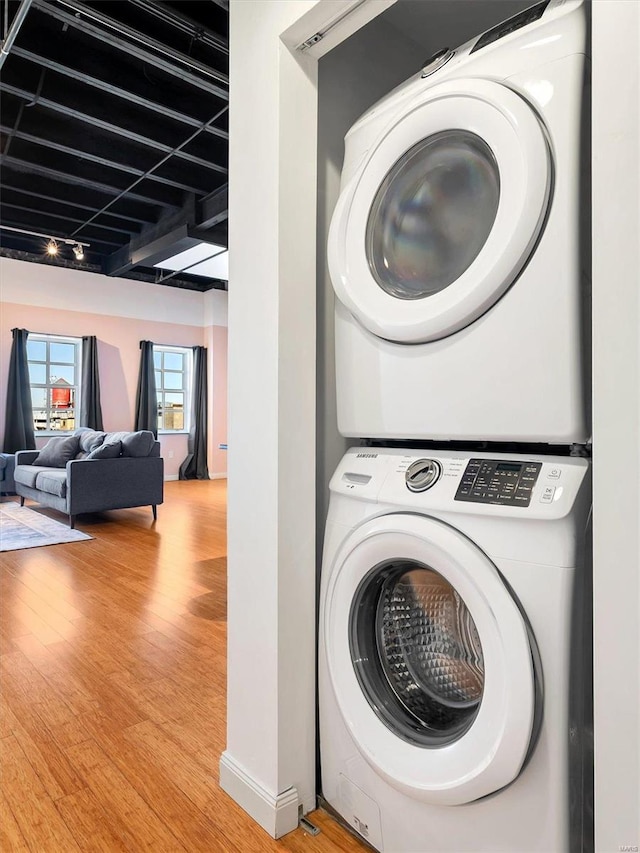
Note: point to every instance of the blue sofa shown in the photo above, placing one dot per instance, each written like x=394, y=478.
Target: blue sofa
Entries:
x=105, y=471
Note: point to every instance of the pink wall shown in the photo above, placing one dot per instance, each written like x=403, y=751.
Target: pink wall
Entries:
x=216, y=342
x=119, y=359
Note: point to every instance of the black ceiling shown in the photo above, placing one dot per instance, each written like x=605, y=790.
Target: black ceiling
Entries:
x=114, y=131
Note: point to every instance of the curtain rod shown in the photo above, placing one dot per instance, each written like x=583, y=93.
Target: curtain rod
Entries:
x=174, y=346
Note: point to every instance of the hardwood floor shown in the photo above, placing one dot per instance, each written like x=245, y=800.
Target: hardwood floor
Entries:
x=112, y=704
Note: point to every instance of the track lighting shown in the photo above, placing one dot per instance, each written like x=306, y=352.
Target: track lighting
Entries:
x=53, y=244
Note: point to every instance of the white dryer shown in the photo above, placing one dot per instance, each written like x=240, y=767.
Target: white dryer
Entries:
x=454, y=651
x=457, y=248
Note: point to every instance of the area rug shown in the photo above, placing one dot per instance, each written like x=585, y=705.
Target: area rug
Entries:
x=23, y=528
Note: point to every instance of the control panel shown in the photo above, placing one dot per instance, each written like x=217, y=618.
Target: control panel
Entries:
x=493, y=481
x=521, y=20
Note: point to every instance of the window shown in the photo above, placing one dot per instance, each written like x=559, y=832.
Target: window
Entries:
x=173, y=370
x=54, y=371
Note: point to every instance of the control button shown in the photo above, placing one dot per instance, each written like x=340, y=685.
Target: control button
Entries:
x=422, y=474
x=547, y=494
x=554, y=473
x=522, y=499
x=437, y=61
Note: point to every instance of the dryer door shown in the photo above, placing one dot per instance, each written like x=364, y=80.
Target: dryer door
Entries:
x=430, y=660
x=443, y=213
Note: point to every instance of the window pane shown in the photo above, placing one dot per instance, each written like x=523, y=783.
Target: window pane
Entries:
x=37, y=374
x=63, y=352
x=157, y=359
x=62, y=398
x=158, y=379
x=173, y=380
x=36, y=350
x=172, y=419
x=62, y=373
x=62, y=409
x=172, y=400
x=38, y=398
x=173, y=361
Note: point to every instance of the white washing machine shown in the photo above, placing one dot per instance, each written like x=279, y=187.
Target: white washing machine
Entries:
x=457, y=248
x=454, y=651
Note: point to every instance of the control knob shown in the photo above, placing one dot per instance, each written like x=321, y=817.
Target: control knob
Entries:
x=436, y=61
x=422, y=474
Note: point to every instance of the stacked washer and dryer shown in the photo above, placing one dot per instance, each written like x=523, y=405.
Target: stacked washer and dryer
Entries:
x=454, y=638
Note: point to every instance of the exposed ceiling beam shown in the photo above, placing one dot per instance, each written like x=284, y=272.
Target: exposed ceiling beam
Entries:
x=127, y=190
x=14, y=29
x=103, y=86
x=18, y=230
x=213, y=208
x=100, y=161
x=31, y=194
x=183, y=23
x=65, y=177
x=132, y=49
x=51, y=215
x=102, y=125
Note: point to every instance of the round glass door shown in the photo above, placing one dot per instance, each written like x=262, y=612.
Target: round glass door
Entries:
x=429, y=659
x=416, y=652
x=432, y=214
x=440, y=215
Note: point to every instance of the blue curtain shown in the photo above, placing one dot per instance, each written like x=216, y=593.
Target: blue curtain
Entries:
x=146, y=397
x=18, y=430
x=195, y=466
x=90, y=408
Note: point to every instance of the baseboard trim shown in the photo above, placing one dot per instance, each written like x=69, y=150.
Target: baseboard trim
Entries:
x=222, y=476
x=277, y=815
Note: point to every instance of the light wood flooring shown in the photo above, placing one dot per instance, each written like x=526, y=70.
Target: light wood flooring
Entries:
x=113, y=675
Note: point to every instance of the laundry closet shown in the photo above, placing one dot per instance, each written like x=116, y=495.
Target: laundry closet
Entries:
x=455, y=694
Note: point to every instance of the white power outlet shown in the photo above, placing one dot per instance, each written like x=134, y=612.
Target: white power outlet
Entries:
x=170, y=454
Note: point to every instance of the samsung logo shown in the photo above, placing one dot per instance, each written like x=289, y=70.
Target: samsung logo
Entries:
x=366, y=455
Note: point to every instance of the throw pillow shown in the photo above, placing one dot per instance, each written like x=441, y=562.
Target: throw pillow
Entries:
x=138, y=443
x=57, y=452
x=109, y=450
x=89, y=439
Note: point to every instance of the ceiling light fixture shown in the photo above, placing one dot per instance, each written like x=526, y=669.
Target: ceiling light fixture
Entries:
x=53, y=243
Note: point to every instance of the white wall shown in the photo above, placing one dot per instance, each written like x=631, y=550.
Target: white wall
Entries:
x=616, y=421
x=268, y=765
x=67, y=289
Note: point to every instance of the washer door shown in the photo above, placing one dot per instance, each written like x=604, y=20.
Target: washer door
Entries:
x=443, y=213
x=430, y=660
